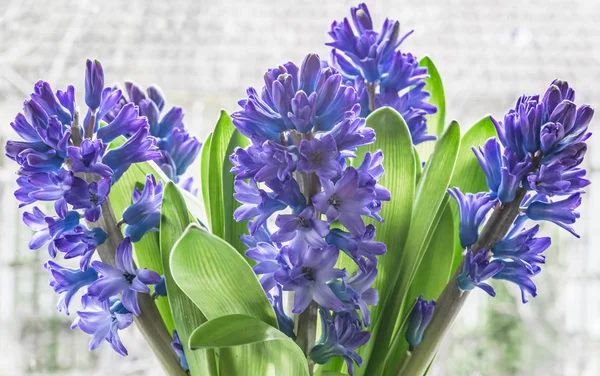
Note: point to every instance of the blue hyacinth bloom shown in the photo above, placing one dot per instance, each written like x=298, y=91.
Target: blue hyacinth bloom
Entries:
x=87, y=158
x=520, y=275
x=561, y=212
x=103, y=321
x=88, y=196
x=68, y=282
x=80, y=242
x=520, y=245
x=123, y=278
x=160, y=289
x=178, y=348
x=255, y=203
x=49, y=228
x=143, y=215
x=339, y=337
x=472, y=208
x=139, y=148
x=476, y=269
x=94, y=84
x=418, y=320
x=285, y=323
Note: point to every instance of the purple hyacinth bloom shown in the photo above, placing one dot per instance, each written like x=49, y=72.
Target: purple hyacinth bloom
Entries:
x=339, y=337
x=554, y=179
x=262, y=234
x=22, y=194
x=178, y=348
x=24, y=129
x=138, y=148
x=51, y=186
x=143, y=215
x=103, y=320
x=268, y=261
x=308, y=276
x=264, y=162
x=127, y=122
x=68, y=282
x=369, y=172
x=477, y=269
x=357, y=247
x=522, y=246
x=319, y=156
x=303, y=99
x=45, y=97
x=160, y=289
x=87, y=158
x=302, y=230
x=285, y=323
x=56, y=136
x=345, y=201
x=473, y=208
x=350, y=134
x=520, y=275
x=89, y=196
x=80, y=242
x=122, y=278
x=503, y=171
x=365, y=51
x=356, y=292
x=94, y=84
x=418, y=320
x=49, y=228
x=256, y=203
x=179, y=152
x=561, y=212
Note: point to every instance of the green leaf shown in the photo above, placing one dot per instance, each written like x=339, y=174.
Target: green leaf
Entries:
x=205, y=177
x=186, y=315
x=468, y=175
x=430, y=195
x=431, y=278
x=433, y=84
x=216, y=277
x=233, y=229
x=218, y=154
x=393, y=138
x=235, y=330
x=282, y=357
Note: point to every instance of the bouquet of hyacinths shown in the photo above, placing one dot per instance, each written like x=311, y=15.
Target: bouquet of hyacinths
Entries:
x=289, y=267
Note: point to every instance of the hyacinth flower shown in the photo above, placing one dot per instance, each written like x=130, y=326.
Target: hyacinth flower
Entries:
x=339, y=337
x=123, y=278
x=143, y=215
x=533, y=169
x=472, y=208
x=381, y=73
x=65, y=159
x=303, y=127
x=418, y=320
x=178, y=348
x=103, y=321
x=177, y=147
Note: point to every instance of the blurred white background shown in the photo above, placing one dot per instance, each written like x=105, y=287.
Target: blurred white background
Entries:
x=205, y=53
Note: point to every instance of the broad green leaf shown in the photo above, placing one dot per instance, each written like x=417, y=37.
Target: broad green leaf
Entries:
x=268, y=347
x=431, y=278
x=186, y=315
x=218, y=155
x=216, y=277
x=147, y=250
x=393, y=138
x=433, y=84
x=233, y=229
x=430, y=195
x=468, y=175
x=205, y=176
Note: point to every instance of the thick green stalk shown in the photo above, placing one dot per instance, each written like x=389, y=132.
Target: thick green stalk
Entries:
x=452, y=298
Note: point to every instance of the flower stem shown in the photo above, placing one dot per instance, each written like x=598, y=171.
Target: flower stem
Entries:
x=371, y=92
x=149, y=322
x=452, y=298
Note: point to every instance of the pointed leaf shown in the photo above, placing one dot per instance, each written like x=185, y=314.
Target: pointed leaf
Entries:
x=433, y=84
x=187, y=316
x=205, y=176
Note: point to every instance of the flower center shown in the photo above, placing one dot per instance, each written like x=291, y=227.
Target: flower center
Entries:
x=308, y=273
x=93, y=198
x=129, y=277
x=303, y=222
x=316, y=157
x=334, y=201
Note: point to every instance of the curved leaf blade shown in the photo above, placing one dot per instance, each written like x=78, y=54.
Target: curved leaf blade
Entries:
x=433, y=84
x=204, y=176
x=216, y=277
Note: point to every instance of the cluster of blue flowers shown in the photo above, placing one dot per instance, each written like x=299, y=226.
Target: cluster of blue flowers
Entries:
x=304, y=128
x=381, y=74
x=535, y=160
x=67, y=163
x=178, y=148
